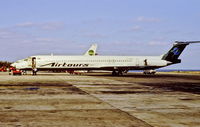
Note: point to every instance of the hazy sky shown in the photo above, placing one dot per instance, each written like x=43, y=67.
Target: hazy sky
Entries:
x=119, y=27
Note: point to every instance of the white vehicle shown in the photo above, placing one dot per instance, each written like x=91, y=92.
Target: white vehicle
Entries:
x=117, y=64
x=149, y=72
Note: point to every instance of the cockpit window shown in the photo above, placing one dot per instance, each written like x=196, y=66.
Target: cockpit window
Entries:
x=25, y=59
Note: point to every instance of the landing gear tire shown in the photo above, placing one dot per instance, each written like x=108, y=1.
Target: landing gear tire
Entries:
x=117, y=73
x=114, y=73
x=120, y=73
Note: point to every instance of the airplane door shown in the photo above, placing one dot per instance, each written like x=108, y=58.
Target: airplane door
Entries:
x=33, y=62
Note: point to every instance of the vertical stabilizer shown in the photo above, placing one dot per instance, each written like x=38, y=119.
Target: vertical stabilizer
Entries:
x=91, y=51
x=173, y=54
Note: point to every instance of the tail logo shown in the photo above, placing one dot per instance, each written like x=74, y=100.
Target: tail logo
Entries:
x=176, y=51
x=91, y=52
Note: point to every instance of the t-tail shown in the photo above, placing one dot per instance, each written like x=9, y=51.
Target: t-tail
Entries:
x=173, y=54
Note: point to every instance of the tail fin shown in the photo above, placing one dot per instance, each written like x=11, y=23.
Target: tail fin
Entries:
x=91, y=51
x=173, y=54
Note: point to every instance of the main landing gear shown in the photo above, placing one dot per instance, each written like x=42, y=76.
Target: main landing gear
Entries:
x=117, y=72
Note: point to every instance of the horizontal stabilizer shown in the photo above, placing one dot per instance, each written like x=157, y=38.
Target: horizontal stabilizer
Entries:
x=186, y=42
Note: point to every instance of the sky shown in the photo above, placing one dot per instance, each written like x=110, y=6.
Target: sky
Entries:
x=119, y=27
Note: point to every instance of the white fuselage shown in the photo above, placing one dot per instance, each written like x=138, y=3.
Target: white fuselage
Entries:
x=44, y=62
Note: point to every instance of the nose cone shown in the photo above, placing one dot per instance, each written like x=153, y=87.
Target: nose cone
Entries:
x=13, y=64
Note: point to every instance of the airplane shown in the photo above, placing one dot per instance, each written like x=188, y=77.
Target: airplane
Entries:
x=116, y=64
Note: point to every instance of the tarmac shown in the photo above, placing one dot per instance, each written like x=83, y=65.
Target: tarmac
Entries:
x=100, y=100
